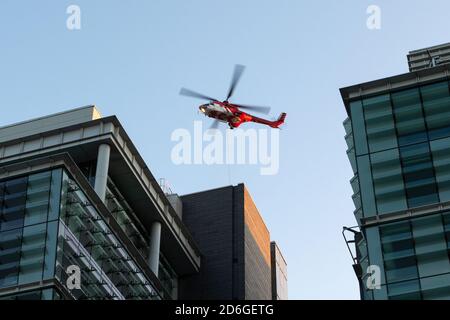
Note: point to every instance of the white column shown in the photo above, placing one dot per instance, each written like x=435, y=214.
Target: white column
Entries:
x=155, y=241
x=101, y=174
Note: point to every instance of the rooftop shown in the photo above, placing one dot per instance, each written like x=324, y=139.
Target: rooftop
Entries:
x=394, y=83
x=426, y=65
x=50, y=122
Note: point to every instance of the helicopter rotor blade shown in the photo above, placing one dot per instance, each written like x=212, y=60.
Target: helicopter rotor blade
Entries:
x=193, y=94
x=263, y=110
x=214, y=125
x=238, y=70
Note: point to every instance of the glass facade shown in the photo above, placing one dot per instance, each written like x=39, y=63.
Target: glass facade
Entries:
x=413, y=256
x=45, y=294
x=399, y=149
x=48, y=224
x=29, y=209
x=127, y=220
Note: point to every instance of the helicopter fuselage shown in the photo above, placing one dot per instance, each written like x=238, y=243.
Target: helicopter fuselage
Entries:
x=229, y=113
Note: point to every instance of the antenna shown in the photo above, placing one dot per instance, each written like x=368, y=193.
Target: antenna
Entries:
x=165, y=186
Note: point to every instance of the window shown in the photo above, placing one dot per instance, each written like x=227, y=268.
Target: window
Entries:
x=10, y=242
x=367, y=192
x=436, y=104
x=409, y=117
x=38, y=192
x=86, y=240
x=418, y=175
x=398, y=252
x=408, y=290
x=27, y=240
x=379, y=123
x=360, y=138
x=431, y=247
x=441, y=160
x=13, y=208
x=388, y=181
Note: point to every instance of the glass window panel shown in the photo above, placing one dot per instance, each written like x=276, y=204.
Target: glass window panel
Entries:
x=357, y=200
x=409, y=117
x=367, y=294
x=436, y=288
x=32, y=255
x=407, y=290
x=375, y=252
x=349, y=141
x=2, y=194
x=38, y=192
x=361, y=246
x=380, y=126
x=401, y=269
x=440, y=150
x=24, y=201
x=352, y=158
x=355, y=184
x=47, y=294
x=358, y=215
x=50, y=250
x=380, y=294
x=34, y=295
x=398, y=252
x=10, y=242
x=436, y=103
x=360, y=138
x=367, y=192
x=56, y=295
x=431, y=246
x=14, y=199
x=347, y=125
x=418, y=174
x=398, y=249
x=388, y=181
x=396, y=232
x=55, y=195
x=397, y=243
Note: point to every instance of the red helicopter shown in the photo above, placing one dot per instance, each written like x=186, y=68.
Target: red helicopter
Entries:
x=230, y=112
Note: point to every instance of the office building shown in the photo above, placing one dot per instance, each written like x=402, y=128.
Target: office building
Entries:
x=279, y=273
x=82, y=217
x=398, y=137
x=235, y=246
x=74, y=191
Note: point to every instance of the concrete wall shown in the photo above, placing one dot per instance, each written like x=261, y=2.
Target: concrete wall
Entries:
x=279, y=273
x=176, y=203
x=47, y=123
x=258, y=282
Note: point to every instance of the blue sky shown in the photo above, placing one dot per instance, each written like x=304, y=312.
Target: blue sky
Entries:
x=132, y=57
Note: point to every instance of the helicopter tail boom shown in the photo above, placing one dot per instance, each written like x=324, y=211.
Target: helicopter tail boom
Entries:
x=279, y=121
x=274, y=124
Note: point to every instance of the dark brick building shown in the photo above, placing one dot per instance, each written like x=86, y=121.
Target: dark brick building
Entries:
x=234, y=243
